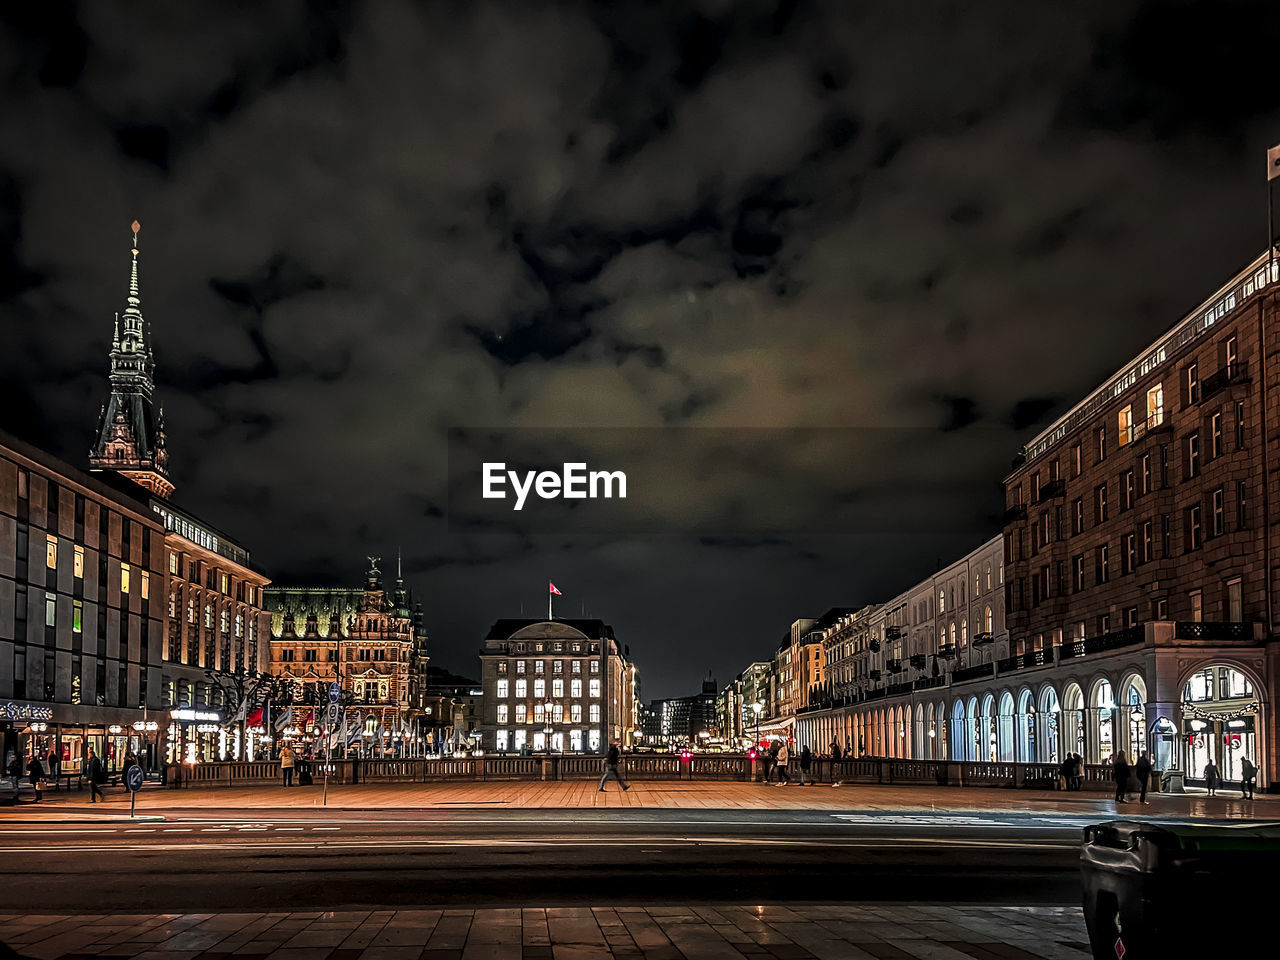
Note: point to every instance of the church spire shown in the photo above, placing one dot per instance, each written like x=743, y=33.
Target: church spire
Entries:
x=131, y=429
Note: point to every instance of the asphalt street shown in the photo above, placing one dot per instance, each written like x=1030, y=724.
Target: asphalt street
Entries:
x=230, y=860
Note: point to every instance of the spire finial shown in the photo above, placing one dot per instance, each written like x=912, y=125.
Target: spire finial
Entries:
x=115, y=339
x=134, y=298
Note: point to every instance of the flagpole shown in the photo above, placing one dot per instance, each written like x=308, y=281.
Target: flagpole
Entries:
x=549, y=596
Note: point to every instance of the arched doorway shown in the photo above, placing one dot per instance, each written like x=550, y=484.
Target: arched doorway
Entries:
x=1050, y=725
x=1004, y=728
x=1102, y=715
x=958, y=751
x=1221, y=720
x=941, y=744
x=919, y=738
x=1025, y=728
x=988, y=744
x=1073, y=737
x=972, y=731
x=1133, y=694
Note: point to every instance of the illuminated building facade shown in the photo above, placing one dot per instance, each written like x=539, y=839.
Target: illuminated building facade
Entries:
x=559, y=686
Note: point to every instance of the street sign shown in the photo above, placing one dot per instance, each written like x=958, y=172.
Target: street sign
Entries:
x=335, y=691
x=334, y=713
x=133, y=782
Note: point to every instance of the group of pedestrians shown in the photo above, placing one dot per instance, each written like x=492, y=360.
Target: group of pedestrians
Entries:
x=1248, y=778
x=1122, y=773
x=1071, y=770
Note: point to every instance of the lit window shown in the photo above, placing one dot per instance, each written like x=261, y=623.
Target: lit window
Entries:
x=539, y=687
x=503, y=688
x=226, y=584
x=577, y=666
x=575, y=687
x=1155, y=406
x=146, y=585
x=77, y=612
x=575, y=713
x=50, y=610
x=239, y=625
x=1126, y=425
x=595, y=687
x=521, y=712
x=557, y=687
x=522, y=688
x=173, y=563
x=124, y=578
x=502, y=713
x=79, y=562
x=595, y=666
x=51, y=552
x=519, y=666
x=539, y=666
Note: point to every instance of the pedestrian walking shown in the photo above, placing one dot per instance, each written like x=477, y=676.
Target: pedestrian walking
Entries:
x=287, y=764
x=55, y=765
x=784, y=758
x=837, y=764
x=1248, y=776
x=1211, y=778
x=806, y=761
x=97, y=774
x=35, y=773
x=1142, y=770
x=1120, y=773
x=774, y=748
x=611, y=768
x=1077, y=771
x=12, y=767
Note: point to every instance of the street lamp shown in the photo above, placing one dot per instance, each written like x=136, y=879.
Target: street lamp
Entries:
x=547, y=727
x=758, y=708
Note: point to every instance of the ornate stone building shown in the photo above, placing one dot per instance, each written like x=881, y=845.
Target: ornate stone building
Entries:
x=372, y=642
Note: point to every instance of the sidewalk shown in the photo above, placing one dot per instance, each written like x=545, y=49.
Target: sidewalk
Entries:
x=882, y=932
x=650, y=795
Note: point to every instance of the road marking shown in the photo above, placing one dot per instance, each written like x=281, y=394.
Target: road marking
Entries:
x=175, y=830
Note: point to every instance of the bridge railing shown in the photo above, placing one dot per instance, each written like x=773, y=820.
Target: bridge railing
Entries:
x=655, y=767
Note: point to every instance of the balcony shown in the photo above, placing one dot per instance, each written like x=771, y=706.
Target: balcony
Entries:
x=898, y=689
x=975, y=672
x=1054, y=488
x=1117, y=639
x=894, y=633
x=947, y=651
x=1214, y=632
x=875, y=646
x=875, y=676
x=918, y=661
x=1228, y=375
x=1149, y=426
x=895, y=665
x=1024, y=661
x=983, y=639
x=1017, y=512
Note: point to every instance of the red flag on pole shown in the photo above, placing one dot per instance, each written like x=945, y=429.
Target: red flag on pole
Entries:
x=553, y=589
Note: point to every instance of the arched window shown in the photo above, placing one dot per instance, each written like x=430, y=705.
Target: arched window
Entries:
x=942, y=600
x=953, y=634
x=986, y=620
x=964, y=633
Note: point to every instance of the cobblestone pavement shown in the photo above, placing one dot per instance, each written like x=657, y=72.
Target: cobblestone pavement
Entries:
x=882, y=932
x=656, y=794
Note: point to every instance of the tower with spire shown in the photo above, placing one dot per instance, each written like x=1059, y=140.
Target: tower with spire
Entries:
x=131, y=426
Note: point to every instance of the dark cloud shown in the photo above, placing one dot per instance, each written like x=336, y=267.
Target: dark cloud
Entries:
x=365, y=224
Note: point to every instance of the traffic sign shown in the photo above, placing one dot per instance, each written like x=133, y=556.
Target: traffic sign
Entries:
x=133, y=778
x=334, y=713
x=335, y=691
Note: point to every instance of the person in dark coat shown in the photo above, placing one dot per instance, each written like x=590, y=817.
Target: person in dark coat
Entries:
x=35, y=773
x=806, y=761
x=611, y=760
x=97, y=777
x=1248, y=776
x=1120, y=773
x=1211, y=778
x=1142, y=770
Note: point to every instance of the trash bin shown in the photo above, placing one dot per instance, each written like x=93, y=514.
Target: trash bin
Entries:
x=1160, y=889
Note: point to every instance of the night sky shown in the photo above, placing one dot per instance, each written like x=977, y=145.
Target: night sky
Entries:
x=365, y=224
